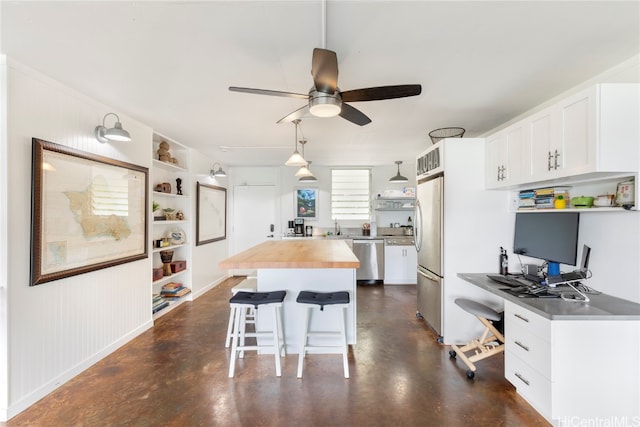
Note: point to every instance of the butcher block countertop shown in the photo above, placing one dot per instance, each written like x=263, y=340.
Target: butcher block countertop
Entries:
x=294, y=254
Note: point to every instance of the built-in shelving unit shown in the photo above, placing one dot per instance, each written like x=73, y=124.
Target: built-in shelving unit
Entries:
x=394, y=204
x=172, y=189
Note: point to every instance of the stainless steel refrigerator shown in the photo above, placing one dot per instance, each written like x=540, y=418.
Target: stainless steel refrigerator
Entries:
x=459, y=228
x=429, y=245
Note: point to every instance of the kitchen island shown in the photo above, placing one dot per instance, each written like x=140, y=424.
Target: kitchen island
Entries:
x=321, y=265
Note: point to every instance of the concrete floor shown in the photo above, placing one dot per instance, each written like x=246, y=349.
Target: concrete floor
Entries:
x=176, y=374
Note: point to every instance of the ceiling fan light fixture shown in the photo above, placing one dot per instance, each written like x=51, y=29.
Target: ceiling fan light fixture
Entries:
x=323, y=105
x=398, y=178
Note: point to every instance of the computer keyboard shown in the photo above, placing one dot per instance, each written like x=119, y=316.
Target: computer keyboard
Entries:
x=506, y=280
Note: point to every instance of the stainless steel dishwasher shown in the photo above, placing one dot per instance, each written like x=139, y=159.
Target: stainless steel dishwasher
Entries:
x=370, y=253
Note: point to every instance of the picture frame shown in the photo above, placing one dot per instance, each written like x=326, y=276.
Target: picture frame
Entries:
x=306, y=203
x=88, y=212
x=211, y=213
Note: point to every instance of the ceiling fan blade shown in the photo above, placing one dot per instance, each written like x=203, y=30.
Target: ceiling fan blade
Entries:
x=381, y=92
x=268, y=92
x=354, y=115
x=300, y=112
x=324, y=70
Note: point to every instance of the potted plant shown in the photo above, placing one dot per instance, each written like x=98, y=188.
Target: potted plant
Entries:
x=156, y=207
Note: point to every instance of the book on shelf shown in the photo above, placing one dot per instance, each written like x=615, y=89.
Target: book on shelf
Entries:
x=176, y=294
x=171, y=286
x=157, y=308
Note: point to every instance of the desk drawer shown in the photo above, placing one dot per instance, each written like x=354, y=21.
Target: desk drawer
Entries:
x=530, y=348
x=521, y=318
x=530, y=384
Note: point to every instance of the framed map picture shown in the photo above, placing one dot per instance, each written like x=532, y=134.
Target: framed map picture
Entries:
x=307, y=203
x=211, y=214
x=88, y=212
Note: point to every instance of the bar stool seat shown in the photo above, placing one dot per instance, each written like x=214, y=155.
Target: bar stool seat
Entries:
x=241, y=301
x=247, y=285
x=489, y=344
x=336, y=300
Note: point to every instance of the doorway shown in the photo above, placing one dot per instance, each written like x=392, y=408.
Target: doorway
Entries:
x=254, y=217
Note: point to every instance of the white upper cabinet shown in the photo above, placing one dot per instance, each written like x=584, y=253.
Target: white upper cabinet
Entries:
x=508, y=157
x=589, y=135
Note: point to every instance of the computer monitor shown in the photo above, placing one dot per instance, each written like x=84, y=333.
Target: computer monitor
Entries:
x=550, y=236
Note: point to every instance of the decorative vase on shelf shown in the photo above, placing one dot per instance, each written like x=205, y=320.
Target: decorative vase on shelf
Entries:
x=166, y=256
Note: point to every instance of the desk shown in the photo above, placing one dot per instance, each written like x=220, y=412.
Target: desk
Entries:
x=576, y=363
x=295, y=265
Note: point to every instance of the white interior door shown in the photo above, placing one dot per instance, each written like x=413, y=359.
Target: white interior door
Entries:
x=254, y=215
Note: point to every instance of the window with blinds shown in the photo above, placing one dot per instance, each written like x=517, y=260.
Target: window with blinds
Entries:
x=350, y=196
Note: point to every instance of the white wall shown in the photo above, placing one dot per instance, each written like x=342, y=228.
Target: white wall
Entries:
x=55, y=330
x=205, y=273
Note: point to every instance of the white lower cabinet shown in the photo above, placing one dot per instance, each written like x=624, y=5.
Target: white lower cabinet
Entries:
x=571, y=371
x=400, y=263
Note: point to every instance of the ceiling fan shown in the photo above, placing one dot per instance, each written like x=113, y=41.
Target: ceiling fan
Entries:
x=325, y=98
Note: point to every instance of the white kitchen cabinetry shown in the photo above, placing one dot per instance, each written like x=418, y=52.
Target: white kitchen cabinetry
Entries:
x=400, y=265
x=554, y=364
x=508, y=158
x=588, y=136
x=177, y=231
x=593, y=131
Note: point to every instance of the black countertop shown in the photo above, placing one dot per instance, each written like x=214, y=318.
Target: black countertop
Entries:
x=601, y=307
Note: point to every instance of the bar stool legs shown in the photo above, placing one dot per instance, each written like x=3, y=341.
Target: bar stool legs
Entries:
x=337, y=301
x=247, y=285
x=240, y=302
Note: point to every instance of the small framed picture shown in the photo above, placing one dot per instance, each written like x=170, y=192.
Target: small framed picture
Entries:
x=306, y=203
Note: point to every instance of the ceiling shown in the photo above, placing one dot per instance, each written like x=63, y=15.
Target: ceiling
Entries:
x=169, y=65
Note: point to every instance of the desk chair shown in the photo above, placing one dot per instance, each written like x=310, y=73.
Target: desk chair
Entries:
x=489, y=344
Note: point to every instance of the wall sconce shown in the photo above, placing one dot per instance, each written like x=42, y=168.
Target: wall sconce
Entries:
x=217, y=173
x=116, y=133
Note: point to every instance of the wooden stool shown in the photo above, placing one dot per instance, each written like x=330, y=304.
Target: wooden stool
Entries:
x=242, y=301
x=486, y=345
x=337, y=300
x=247, y=285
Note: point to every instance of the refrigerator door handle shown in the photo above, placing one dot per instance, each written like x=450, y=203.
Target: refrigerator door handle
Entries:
x=428, y=275
x=417, y=224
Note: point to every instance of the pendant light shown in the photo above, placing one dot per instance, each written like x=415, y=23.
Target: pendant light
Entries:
x=398, y=177
x=304, y=170
x=296, y=159
x=308, y=178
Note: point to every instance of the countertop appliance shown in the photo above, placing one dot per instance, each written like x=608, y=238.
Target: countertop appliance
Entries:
x=458, y=226
x=370, y=253
x=298, y=227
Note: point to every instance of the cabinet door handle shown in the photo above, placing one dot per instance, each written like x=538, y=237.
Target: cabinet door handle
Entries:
x=555, y=160
x=521, y=378
x=498, y=177
x=549, y=157
x=521, y=317
x=519, y=344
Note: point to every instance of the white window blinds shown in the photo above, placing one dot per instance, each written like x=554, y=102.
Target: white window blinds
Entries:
x=350, y=194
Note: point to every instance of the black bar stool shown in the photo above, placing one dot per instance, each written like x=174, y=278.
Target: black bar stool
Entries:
x=336, y=300
x=241, y=302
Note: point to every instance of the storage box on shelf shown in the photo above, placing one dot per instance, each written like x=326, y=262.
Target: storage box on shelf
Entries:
x=171, y=226
x=588, y=136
